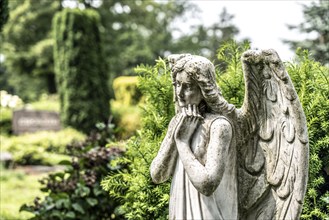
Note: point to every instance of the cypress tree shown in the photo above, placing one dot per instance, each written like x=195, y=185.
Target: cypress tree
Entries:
x=81, y=71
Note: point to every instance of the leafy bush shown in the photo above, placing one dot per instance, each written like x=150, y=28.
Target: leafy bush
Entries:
x=126, y=90
x=81, y=70
x=230, y=79
x=142, y=199
x=133, y=186
x=44, y=147
x=76, y=192
x=127, y=119
x=311, y=80
x=125, y=110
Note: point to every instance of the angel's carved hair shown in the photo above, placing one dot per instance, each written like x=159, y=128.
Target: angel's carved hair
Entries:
x=202, y=71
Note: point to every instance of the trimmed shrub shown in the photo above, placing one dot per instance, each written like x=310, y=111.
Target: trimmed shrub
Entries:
x=125, y=110
x=126, y=118
x=126, y=90
x=81, y=71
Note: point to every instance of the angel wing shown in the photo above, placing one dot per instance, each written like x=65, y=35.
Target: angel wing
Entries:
x=273, y=142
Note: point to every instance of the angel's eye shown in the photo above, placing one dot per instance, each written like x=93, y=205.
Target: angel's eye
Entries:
x=188, y=86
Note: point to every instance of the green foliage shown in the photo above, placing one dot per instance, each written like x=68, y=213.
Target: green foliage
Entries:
x=125, y=111
x=41, y=148
x=230, y=74
x=17, y=188
x=46, y=103
x=126, y=91
x=27, y=48
x=127, y=119
x=4, y=13
x=311, y=81
x=137, y=31
x=315, y=22
x=5, y=121
x=80, y=68
x=76, y=192
x=133, y=186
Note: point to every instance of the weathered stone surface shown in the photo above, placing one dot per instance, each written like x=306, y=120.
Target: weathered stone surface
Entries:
x=28, y=121
x=228, y=163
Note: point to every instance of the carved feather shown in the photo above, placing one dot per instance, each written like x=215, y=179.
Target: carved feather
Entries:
x=272, y=126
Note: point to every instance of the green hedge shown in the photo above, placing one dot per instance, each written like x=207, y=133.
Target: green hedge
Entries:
x=81, y=70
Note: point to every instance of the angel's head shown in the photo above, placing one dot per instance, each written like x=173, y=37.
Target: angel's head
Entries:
x=195, y=83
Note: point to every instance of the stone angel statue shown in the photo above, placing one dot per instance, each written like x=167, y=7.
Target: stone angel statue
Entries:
x=229, y=163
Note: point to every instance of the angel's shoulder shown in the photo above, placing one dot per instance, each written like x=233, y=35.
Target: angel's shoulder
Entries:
x=220, y=125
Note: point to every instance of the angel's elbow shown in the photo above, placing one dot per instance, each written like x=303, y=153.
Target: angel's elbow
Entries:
x=156, y=178
x=207, y=188
x=157, y=175
x=208, y=192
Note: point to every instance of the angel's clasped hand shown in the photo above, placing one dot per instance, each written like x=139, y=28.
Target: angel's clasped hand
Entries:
x=188, y=120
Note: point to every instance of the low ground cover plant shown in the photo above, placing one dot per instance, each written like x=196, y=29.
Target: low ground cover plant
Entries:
x=76, y=192
x=17, y=188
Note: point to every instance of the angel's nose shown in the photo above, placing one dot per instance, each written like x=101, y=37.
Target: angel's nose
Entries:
x=180, y=93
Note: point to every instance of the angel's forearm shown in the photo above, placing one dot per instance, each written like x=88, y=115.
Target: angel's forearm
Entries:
x=204, y=180
x=163, y=164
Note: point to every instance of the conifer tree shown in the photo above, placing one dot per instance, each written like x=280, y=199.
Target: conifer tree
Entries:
x=80, y=67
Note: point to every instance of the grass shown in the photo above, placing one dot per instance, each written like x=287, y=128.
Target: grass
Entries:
x=17, y=188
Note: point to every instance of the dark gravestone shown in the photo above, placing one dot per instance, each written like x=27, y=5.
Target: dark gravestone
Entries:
x=28, y=121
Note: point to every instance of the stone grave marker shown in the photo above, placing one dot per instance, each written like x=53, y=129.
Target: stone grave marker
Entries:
x=29, y=121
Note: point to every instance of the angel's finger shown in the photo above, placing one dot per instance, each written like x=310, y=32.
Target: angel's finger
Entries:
x=189, y=110
x=194, y=111
x=200, y=117
x=184, y=111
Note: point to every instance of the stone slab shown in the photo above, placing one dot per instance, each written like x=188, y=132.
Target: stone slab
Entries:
x=29, y=121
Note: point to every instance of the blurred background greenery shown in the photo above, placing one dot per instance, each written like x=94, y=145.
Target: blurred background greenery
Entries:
x=94, y=65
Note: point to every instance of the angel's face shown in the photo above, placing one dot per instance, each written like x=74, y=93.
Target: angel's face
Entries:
x=187, y=90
